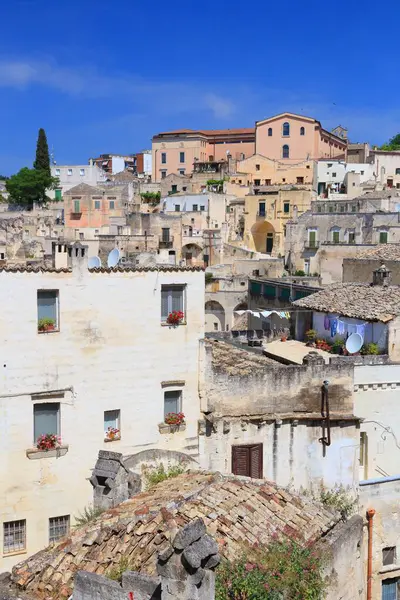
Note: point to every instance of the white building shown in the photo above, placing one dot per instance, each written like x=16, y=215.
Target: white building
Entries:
x=333, y=174
x=72, y=175
x=111, y=361
x=387, y=167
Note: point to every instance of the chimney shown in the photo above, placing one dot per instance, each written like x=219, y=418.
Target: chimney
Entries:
x=78, y=258
x=382, y=276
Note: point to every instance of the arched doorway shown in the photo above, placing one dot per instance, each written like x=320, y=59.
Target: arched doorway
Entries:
x=192, y=254
x=215, y=316
x=240, y=321
x=263, y=237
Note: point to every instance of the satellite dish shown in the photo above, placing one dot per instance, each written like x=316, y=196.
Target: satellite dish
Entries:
x=94, y=262
x=113, y=258
x=354, y=343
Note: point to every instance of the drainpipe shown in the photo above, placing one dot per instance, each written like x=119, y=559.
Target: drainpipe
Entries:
x=370, y=516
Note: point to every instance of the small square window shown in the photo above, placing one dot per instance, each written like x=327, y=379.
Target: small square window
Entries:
x=57, y=172
x=14, y=536
x=97, y=204
x=81, y=172
x=389, y=556
x=257, y=167
x=181, y=171
x=177, y=207
x=362, y=172
x=286, y=207
x=112, y=204
x=202, y=207
x=46, y=419
x=257, y=182
x=58, y=528
x=163, y=174
x=81, y=235
x=299, y=179
x=48, y=310
x=215, y=326
x=195, y=207
x=172, y=402
x=69, y=172
x=172, y=299
x=112, y=424
x=333, y=174
x=184, y=189
x=383, y=237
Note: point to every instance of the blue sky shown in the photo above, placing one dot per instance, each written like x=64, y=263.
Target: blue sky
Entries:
x=105, y=76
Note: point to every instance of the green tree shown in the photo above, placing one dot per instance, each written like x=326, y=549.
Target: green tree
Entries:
x=392, y=144
x=42, y=160
x=29, y=186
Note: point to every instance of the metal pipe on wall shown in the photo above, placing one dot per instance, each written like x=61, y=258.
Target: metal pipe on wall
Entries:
x=370, y=517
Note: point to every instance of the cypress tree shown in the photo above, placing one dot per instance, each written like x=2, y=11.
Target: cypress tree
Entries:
x=42, y=160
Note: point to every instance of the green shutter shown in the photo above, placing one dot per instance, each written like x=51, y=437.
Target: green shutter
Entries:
x=284, y=293
x=255, y=288
x=286, y=207
x=269, y=291
x=76, y=206
x=58, y=194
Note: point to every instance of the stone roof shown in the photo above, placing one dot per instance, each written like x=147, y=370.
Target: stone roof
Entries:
x=83, y=188
x=235, y=511
x=381, y=252
x=42, y=269
x=356, y=300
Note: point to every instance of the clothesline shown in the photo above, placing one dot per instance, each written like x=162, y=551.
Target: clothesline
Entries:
x=337, y=326
x=264, y=313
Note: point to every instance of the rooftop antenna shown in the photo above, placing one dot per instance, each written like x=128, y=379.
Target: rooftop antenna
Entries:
x=53, y=160
x=113, y=258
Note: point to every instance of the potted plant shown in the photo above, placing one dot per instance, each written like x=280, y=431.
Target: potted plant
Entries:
x=45, y=324
x=112, y=434
x=284, y=337
x=175, y=318
x=48, y=441
x=174, y=419
x=311, y=336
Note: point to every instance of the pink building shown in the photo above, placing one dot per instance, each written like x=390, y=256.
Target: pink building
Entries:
x=177, y=151
x=296, y=138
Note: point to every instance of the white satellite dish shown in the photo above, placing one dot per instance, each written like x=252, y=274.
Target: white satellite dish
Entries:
x=94, y=262
x=113, y=258
x=354, y=343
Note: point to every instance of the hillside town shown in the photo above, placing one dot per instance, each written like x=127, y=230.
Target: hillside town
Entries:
x=201, y=364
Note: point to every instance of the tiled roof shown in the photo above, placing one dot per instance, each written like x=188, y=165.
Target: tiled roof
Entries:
x=28, y=269
x=356, y=300
x=83, y=188
x=381, y=252
x=210, y=132
x=235, y=511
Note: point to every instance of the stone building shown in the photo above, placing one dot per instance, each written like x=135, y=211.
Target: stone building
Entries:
x=102, y=376
x=361, y=268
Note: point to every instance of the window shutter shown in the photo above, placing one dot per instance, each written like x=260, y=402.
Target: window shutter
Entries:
x=256, y=461
x=172, y=401
x=46, y=418
x=240, y=460
x=389, y=589
x=177, y=297
x=164, y=304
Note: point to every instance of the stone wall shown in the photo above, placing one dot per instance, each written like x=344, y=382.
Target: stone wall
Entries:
x=361, y=270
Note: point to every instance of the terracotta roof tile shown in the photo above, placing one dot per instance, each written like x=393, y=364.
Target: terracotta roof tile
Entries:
x=235, y=510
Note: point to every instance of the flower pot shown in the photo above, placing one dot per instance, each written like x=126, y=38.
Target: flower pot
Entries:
x=283, y=338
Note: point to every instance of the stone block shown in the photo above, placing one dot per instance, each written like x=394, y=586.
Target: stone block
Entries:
x=89, y=586
x=166, y=554
x=212, y=562
x=143, y=586
x=189, y=534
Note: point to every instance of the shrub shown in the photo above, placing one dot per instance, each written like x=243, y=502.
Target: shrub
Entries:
x=285, y=570
x=115, y=572
x=300, y=273
x=89, y=513
x=323, y=345
x=311, y=335
x=209, y=277
x=370, y=348
x=339, y=499
x=337, y=344
x=158, y=474
x=151, y=197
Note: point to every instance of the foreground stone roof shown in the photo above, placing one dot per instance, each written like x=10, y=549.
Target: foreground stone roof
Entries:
x=235, y=511
x=356, y=300
x=381, y=252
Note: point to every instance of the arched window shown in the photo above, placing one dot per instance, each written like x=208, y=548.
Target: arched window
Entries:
x=269, y=131
x=285, y=151
x=302, y=131
x=286, y=129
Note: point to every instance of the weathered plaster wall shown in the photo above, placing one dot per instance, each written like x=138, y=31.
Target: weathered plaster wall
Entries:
x=111, y=353
x=361, y=269
x=382, y=496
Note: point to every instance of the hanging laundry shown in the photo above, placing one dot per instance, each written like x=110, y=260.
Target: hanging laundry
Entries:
x=340, y=328
x=326, y=323
x=360, y=329
x=334, y=325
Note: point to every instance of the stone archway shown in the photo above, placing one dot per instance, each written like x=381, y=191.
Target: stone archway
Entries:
x=263, y=237
x=215, y=316
x=192, y=254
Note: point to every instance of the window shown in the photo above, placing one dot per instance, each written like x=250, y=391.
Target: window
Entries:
x=184, y=189
x=215, y=326
x=58, y=194
x=257, y=182
x=286, y=129
x=257, y=167
x=286, y=207
x=181, y=171
x=81, y=235
x=172, y=298
x=390, y=589
x=302, y=131
x=202, y=207
x=181, y=157
x=383, y=237
x=82, y=172
x=389, y=556
x=333, y=174
x=163, y=158
x=172, y=402
x=268, y=182
x=163, y=174
x=336, y=236
x=299, y=179
x=14, y=536
x=47, y=306
x=247, y=460
x=330, y=165
x=195, y=207
x=174, y=189
x=353, y=208
x=58, y=528
x=397, y=172
x=362, y=172
x=352, y=237
x=177, y=207
x=312, y=239
x=165, y=234
x=46, y=419
x=69, y=172
x=77, y=206
x=269, y=131
x=112, y=420
x=112, y=204
x=261, y=209
x=97, y=204
x=285, y=151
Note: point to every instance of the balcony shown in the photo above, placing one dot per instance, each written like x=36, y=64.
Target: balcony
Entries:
x=164, y=243
x=75, y=216
x=261, y=214
x=311, y=244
